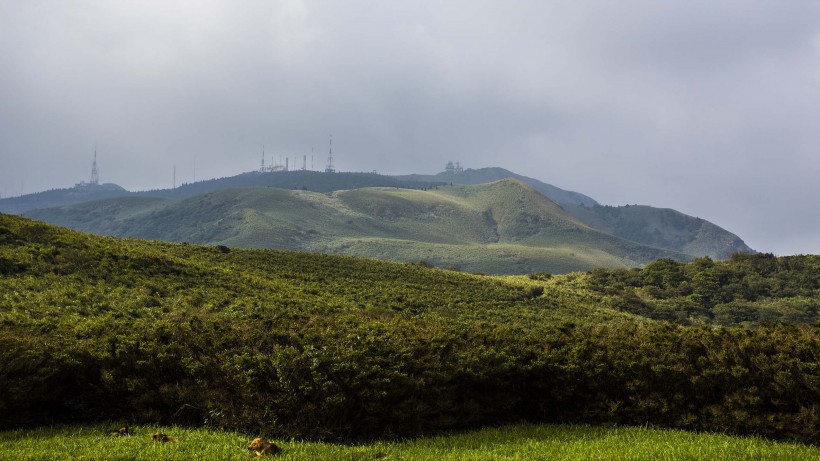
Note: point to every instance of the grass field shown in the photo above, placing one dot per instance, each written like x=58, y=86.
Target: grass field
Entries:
x=521, y=442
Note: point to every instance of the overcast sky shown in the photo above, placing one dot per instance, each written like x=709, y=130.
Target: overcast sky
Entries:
x=709, y=107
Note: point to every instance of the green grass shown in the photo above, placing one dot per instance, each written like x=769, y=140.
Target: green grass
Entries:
x=519, y=442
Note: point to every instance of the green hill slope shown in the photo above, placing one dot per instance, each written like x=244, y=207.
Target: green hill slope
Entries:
x=301, y=180
x=59, y=197
x=656, y=227
x=291, y=344
x=485, y=175
x=662, y=228
x=501, y=227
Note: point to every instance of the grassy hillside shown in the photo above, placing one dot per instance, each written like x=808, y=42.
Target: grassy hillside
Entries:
x=568, y=443
x=309, y=345
x=485, y=175
x=661, y=228
x=301, y=180
x=501, y=227
x=60, y=197
x=295, y=180
x=655, y=227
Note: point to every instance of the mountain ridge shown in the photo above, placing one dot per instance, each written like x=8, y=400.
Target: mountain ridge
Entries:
x=500, y=227
x=490, y=174
x=656, y=227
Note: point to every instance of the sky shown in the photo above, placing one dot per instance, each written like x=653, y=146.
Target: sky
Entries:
x=710, y=107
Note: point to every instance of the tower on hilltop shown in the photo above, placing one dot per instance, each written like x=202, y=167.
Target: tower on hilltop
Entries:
x=95, y=174
x=330, y=168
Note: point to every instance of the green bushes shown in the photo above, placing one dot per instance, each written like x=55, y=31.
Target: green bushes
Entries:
x=352, y=376
x=748, y=289
x=318, y=346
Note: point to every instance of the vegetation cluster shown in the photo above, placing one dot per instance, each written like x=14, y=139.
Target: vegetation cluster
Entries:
x=328, y=347
x=747, y=289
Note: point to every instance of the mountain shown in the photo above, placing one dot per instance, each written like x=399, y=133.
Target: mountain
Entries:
x=661, y=228
x=304, y=180
x=501, y=227
x=657, y=227
x=300, y=179
x=58, y=197
x=485, y=175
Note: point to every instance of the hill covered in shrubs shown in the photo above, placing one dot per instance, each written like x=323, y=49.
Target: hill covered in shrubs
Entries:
x=332, y=347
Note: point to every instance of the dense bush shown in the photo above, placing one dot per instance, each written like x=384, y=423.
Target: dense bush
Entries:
x=354, y=376
x=327, y=347
x=747, y=289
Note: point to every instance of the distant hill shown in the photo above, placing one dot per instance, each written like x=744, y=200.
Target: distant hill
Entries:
x=657, y=227
x=485, y=175
x=662, y=228
x=501, y=227
x=314, y=181
x=59, y=197
x=303, y=180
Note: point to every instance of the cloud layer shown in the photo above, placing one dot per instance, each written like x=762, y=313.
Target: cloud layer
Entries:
x=708, y=107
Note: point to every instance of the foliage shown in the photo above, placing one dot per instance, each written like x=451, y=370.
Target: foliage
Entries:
x=317, y=346
x=747, y=289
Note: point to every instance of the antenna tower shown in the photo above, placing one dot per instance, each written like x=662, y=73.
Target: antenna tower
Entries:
x=95, y=174
x=262, y=168
x=329, y=168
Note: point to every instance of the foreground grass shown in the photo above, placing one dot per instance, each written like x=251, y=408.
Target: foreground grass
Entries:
x=521, y=442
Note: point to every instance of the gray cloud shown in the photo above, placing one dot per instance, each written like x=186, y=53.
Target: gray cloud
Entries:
x=706, y=106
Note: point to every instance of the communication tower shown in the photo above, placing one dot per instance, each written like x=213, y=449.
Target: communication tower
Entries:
x=95, y=174
x=330, y=168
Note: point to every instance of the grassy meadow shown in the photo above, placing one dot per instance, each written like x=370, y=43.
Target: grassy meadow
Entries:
x=516, y=442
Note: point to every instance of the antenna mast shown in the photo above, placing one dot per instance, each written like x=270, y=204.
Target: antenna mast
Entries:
x=95, y=175
x=330, y=168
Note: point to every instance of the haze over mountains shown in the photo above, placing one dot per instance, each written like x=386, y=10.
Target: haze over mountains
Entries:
x=488, y=220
